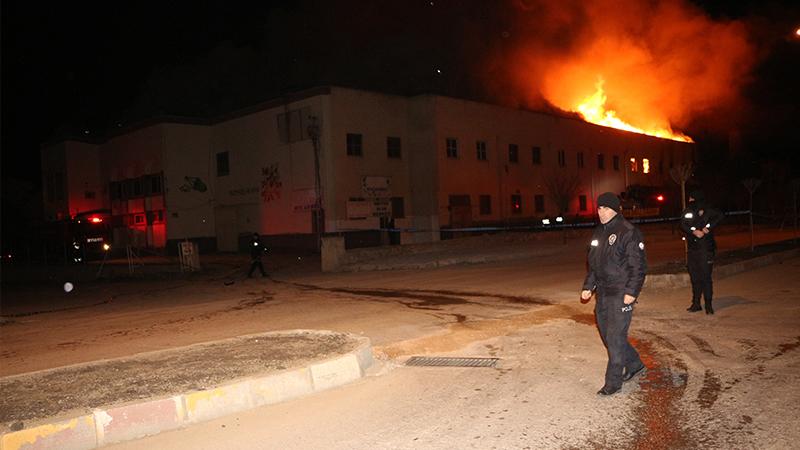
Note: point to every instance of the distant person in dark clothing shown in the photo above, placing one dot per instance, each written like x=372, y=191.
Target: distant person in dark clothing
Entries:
x=257, y=250
x=617, y=267
x=698, y=222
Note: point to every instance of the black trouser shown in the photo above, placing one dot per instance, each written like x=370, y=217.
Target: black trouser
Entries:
x=613, y=320
x=700, y=263
x=253, y=265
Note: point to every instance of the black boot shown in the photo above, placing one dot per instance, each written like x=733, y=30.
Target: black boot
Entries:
x=709, y=308
x=695, y=307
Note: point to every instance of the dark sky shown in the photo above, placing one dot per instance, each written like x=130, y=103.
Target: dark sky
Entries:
x=74, y=66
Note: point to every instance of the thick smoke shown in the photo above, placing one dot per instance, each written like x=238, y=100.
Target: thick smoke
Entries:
x=663, y=62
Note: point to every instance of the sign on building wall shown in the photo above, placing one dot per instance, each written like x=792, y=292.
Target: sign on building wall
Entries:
x=359, y=209
x=379, y=191
x=376, y=186
x=303, y=200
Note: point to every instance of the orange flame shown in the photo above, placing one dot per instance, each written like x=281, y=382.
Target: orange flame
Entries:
x=593, y=109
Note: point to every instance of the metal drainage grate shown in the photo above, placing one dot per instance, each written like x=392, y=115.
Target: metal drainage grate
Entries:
x=447, y=361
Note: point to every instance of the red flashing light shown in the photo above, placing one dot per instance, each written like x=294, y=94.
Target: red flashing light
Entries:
x=660, y=198
x=95, y=220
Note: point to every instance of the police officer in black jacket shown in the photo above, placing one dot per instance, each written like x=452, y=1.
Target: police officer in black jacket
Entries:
x=257, y=250
x=617, y=266
x=698, y=222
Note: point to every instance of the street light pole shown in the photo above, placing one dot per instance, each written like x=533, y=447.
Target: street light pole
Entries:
x=314, y=134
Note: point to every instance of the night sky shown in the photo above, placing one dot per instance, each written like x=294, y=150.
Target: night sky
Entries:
x=75, y=67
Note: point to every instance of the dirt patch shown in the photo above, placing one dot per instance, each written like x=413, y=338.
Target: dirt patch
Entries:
x=159, y=374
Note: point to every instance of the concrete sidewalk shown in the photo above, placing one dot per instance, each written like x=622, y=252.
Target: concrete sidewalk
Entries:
x=84, y=425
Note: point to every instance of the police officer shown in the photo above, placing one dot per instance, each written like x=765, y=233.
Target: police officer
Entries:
x=257, y=250
x=698, y=222
x=617, y=266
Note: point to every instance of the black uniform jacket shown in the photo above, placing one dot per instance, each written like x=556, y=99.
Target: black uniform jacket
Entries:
x=697, y=216
x=617, y=261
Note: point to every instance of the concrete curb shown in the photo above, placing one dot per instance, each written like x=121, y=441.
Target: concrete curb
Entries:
x=676, y=280
x=142, y=418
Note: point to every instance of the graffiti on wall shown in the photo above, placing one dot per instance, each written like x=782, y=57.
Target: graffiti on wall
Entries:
x=192, y=184
x=271, y=183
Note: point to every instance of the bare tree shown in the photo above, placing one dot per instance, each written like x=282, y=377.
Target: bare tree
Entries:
x=680, y=174
x=562, y=189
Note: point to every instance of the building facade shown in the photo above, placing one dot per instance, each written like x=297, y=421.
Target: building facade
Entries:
x=421, y=164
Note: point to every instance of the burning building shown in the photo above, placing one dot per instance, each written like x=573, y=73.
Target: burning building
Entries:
x=422, y=164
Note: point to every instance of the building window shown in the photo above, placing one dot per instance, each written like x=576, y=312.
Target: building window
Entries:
x=452, y=148
x=536, y=153
x=616, y=162
x=354, y=145
x=645, y=165
x=562, y=158
x=155, y=184
x=137, y=187
x=580, y=160
x=513, y=153
x=223, y=164
x=480, y=149
x=601, y=161
x=486, y=204
x=634, y=165
x=516, y=204
x=582, y=202
x=393, y=147
x=538, y=203
x=398, y=208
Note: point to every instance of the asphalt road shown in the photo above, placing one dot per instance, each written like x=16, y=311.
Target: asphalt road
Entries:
x=722, y=381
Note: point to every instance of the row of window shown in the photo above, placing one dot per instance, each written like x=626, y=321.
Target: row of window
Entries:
x=354, y=147
x=144, y=186
x=485, y=204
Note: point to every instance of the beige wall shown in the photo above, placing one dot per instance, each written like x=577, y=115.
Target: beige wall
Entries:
x=84, y=179
x=186, y=157
x=375, y=117
x=270, y=186
x=53, y=163
x=469, y=122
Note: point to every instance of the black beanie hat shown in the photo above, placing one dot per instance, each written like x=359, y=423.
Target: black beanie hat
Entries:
x=697, y=195
x=609, y=200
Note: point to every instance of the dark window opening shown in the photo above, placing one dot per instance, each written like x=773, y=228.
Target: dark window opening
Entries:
x=223, y=164
x=601, y=161
x=616, y=162
x=393, y=149
x=480, y=148
x=513, y=153
x=562, y=158
x=398, y=208
x=537, y=155
x=452, y=148
x=582, y=202
x=485, y=205
x=354, y=146
x=580, y=160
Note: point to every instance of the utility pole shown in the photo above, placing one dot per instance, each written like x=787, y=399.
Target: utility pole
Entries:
x=314, y=134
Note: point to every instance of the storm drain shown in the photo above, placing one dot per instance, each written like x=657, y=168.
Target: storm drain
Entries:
x=449, y=361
